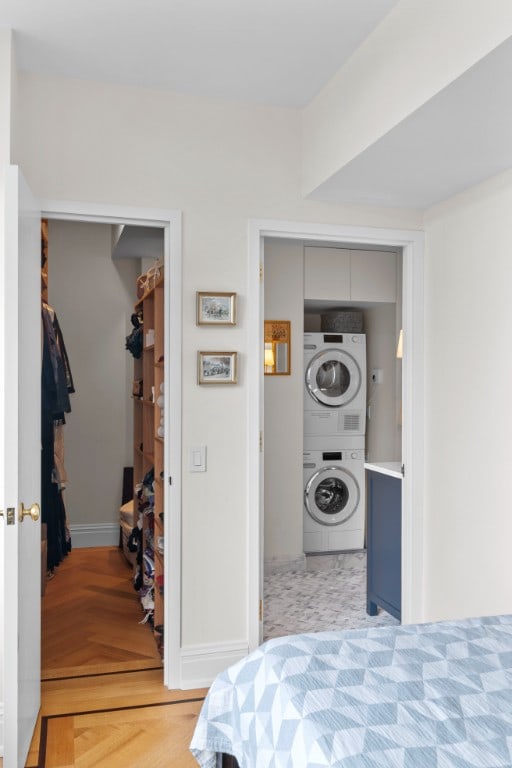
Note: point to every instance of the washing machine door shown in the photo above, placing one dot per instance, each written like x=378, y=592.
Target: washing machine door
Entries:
x=331, y=495
x=333, y=378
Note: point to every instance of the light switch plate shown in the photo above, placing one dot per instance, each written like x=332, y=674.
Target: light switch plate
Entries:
x=197, y=459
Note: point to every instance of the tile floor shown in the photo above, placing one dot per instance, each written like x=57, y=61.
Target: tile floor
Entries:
x=329, y=594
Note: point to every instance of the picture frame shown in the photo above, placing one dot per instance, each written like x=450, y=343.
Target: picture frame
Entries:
x=217, y=367
x=215, y=308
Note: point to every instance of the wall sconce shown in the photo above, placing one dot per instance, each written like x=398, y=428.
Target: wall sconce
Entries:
x=400, y=345
x=269, y=358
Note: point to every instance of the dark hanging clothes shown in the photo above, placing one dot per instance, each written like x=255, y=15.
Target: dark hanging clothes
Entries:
x=57, y=379
x=56, y=386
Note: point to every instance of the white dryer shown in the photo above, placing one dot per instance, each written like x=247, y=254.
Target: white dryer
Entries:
x=334, y=496
x=334, y=384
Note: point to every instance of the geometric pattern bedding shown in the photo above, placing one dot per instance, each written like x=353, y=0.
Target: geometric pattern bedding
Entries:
x=433, y=695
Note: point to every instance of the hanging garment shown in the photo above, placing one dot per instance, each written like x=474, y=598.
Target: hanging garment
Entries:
x=56, y=386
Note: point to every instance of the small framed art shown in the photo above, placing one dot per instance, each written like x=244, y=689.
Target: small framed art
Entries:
x=216, y=367
x=216, y=308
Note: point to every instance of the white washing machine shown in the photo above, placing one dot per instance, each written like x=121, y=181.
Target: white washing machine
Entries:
x=334, y=384
x=334, y=496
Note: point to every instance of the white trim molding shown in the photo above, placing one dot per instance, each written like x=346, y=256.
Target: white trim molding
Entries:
x=200, y=664
x=94, y=535
x=412, y=244
x=2, y=727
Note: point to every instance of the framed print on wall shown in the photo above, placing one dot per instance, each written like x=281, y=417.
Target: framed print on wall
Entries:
x=216, y=308
x=216, y=367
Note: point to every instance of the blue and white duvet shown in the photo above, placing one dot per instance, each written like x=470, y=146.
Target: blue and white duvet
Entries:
x=419, y=696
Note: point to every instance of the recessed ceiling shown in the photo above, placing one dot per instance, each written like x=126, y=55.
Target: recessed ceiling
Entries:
x=270, y=51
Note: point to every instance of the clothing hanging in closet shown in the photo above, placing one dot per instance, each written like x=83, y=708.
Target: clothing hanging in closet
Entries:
x=56, y=386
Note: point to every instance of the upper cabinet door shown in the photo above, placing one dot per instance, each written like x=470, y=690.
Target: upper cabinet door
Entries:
x=340, y=274
x=327, y=273
x=373, y=276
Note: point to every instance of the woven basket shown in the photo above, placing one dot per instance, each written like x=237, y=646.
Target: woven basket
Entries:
x=343, y=321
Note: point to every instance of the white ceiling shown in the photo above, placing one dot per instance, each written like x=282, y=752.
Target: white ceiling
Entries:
x=278, y=52
x=271, y=51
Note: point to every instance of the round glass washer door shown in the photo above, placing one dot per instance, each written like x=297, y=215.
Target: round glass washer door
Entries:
x=333, y=378
x=331, y=496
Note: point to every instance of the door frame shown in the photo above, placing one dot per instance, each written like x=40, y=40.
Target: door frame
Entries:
x=412, y=244
x=171, y=222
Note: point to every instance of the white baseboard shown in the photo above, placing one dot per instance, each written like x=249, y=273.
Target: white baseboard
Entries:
x=200, y=664
x=284, y=563
x=94, y=535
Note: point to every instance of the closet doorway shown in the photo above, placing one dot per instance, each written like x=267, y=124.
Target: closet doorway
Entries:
x=93, y=295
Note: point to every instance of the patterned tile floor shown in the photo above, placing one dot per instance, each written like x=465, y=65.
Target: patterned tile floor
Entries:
x=329, y=594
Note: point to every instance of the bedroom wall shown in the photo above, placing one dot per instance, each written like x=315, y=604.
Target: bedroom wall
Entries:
x=93, y=296
x=7, y=84
x=468, y=379
x=221, y=163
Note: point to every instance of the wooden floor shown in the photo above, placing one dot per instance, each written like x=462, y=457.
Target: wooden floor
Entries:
x=104, y=704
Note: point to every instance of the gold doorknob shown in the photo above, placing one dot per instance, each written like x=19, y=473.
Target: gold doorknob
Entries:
x=34, y=512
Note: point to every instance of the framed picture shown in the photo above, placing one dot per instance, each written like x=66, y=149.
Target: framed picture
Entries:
x=216, y=308
x=216, y=367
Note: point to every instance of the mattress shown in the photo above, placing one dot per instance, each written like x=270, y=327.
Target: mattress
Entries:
x=417, y=696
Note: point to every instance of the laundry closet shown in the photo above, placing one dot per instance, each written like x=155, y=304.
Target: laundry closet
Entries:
x=92, y=271
x=307, y=284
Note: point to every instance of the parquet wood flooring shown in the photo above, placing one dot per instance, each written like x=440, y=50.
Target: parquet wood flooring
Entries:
x=103, y=699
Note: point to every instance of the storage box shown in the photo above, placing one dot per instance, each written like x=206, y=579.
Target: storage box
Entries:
x=343, y=321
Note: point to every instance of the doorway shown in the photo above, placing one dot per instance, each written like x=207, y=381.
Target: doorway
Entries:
x=170, y=223
x=411, y=244
x=314, y=541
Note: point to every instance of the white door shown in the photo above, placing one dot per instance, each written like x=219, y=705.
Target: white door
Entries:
x=20, y=466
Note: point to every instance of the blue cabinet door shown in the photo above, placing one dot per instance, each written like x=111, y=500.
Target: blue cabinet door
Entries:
x=384, y=544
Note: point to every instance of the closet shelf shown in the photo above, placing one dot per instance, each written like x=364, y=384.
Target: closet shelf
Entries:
x=148, y=447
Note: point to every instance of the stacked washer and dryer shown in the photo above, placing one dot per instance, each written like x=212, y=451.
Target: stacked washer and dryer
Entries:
x=334, y=441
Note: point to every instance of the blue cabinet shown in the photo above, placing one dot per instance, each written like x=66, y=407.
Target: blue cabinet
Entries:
x=384, y=544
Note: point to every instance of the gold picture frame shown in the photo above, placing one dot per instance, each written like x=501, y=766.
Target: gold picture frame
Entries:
x=215, y=308
x=217, y=367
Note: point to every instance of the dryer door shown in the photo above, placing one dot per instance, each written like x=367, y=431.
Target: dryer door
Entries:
x=333, y=378
x=331, y=495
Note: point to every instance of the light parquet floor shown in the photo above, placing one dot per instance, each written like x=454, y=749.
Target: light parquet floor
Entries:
x=103, y=703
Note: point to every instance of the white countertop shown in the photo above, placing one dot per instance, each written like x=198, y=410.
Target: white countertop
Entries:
x=391, y=468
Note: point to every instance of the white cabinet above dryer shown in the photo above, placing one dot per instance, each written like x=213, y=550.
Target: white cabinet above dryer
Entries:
x=343, y=274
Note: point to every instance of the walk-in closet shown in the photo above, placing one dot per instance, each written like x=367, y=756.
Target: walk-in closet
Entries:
x=102, y=293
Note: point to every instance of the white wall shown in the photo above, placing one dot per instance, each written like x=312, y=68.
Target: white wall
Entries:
x=93, y=297
x=383, y=431
x=283, y=428
x=7, y=87
x=417, y=50
x=468, y=384
x=221, y=163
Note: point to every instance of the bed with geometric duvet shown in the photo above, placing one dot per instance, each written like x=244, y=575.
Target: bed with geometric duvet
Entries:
x=435, y=695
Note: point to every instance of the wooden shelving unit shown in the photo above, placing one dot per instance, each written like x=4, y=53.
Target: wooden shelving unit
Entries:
x=148, y=455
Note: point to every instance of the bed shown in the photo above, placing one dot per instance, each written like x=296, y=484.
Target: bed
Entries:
x=418, y=696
